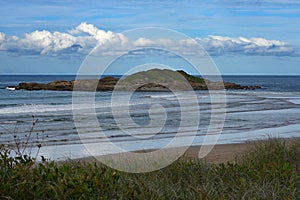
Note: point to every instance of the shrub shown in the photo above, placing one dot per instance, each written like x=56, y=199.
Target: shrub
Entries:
x=269, y=170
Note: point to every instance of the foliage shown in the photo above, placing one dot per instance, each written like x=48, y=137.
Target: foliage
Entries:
x=270, y=170
x=162, y=76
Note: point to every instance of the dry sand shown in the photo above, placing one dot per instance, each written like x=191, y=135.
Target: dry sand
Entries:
x=219, y=154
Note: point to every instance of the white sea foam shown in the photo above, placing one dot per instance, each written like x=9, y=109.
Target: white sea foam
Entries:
x=161, y=96
x=10, y=88
x=294, y=100
x=78, y=150
x=181, y=95
x=251, y=115
x=34, y=109
x=46, y=108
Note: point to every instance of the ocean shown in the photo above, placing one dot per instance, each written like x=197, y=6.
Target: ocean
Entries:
x=273, y=111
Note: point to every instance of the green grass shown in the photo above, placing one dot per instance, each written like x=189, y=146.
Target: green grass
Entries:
x=269, y=170
x=162, y=76
x=190, y=78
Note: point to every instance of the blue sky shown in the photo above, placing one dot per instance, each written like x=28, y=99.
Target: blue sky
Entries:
x=243, y=37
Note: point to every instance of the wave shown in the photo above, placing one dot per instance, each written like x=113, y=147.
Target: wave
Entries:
x=35, y=108
x=172, y=97
x=166, y=96
x=48, y=108
x=10, y=88
x=294, y=100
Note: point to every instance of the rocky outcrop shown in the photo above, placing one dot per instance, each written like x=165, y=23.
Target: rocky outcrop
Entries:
x=55, y=85
x=151, y=80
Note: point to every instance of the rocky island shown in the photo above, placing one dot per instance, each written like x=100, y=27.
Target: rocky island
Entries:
x=151, y=80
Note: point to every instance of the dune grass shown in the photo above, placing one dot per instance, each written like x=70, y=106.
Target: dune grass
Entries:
x=269, y=170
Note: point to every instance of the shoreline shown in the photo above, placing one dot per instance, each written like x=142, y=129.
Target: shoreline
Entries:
x=220, y=153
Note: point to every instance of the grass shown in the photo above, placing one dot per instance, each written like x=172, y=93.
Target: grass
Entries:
x=162, y=76
x=269, y=170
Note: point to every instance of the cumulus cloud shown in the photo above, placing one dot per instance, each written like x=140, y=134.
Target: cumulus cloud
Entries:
x=83, y=38
x=39, y=42
x=143, y=42
x=56, y=43
x=2, y=37
x=103, y=37
x=250, y=46
x=47, y=42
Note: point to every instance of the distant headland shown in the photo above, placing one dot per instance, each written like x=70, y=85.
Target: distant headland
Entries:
x=151, y=80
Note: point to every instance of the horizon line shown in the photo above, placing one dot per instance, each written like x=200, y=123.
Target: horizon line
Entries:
x=122, y=75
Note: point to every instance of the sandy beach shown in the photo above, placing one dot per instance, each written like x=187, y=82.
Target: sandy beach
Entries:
x=220, y=153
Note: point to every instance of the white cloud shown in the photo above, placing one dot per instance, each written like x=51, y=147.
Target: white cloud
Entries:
x=56, y=43
x=39, y=42
x=143, y=42
x=85, y=37
x=250, y=46
x=2, y=37
x=47, y=42
x=103, y=37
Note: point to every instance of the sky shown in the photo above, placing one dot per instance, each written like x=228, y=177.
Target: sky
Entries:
x=243, y=37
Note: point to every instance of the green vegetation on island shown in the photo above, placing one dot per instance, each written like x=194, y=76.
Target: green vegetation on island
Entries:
x=151, y=80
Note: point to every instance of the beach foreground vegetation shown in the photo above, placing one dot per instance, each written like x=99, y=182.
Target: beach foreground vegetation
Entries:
x=270, y=169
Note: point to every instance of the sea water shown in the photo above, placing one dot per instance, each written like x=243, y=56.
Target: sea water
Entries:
x=273, y=110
